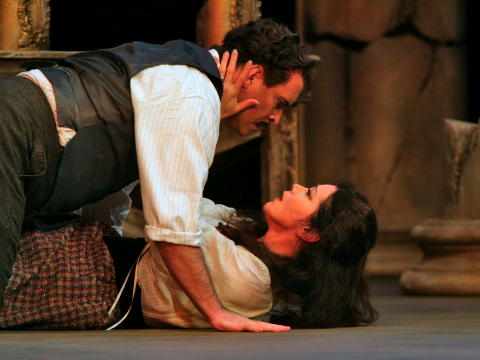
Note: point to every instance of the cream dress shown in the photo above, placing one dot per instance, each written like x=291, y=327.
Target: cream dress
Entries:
x=241, y=280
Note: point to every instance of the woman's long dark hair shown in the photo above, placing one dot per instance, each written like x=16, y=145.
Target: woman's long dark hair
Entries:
x=324, y=285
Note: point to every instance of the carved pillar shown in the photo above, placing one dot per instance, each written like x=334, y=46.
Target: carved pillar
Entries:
x=280, y=157
x=219, y=16
x=24, y=34
x=451, y=245
x=24, y=25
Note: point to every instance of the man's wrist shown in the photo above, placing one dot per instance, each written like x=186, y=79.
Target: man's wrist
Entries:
x=215, y=312
x=180, y=257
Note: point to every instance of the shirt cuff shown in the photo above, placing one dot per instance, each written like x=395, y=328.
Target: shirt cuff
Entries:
x=180, y=238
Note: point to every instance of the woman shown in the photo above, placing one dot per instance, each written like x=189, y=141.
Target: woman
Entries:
x=309, y=263
x=318, y=271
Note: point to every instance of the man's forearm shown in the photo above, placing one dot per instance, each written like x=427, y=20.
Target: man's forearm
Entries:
x=187, y=266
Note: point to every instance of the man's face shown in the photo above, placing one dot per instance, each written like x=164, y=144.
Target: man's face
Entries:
x=272, y=101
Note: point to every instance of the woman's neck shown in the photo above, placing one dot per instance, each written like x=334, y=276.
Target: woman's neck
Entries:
x=283, y=243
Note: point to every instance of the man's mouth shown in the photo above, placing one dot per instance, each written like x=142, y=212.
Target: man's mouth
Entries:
x=261, y=125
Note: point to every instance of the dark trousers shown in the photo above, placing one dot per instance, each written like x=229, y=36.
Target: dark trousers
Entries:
x=29, y=156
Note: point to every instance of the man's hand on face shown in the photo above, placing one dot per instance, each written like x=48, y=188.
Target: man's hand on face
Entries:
x=227, y=321
x=232, y=84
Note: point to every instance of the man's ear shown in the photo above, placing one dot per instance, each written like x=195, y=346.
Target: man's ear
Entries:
x=305, y=234
x=256, y=73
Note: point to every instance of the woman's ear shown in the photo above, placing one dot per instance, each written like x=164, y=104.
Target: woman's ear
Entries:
x=305, y=234
x=256, y=72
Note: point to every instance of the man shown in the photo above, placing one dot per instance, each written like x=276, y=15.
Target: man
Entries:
x=97, y=121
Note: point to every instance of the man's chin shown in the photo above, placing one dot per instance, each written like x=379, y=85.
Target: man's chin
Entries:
x=242, y=131
x=246, y=132
x=237, y=128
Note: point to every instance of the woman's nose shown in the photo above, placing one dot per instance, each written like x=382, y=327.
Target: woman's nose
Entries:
x=298, y=188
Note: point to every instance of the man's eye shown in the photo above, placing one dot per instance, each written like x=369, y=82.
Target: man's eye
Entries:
x=308, y=192
x=282, y=105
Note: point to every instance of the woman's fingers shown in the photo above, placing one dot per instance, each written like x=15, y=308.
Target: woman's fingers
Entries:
x=243, y=76
x=232, y=65
x=223, y=64
x=228, y=65
x=233, y=79
x=245, y=104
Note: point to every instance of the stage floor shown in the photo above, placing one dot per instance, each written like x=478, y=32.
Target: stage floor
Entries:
x=410, y=327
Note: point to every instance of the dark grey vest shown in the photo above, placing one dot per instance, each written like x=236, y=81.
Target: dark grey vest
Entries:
x=92, y=90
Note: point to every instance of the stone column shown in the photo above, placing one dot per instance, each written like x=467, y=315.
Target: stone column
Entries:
x=391, y=71
x=280, y=156
x=451, y=244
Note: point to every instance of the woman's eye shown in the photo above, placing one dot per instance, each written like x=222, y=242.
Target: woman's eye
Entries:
x=308, y=192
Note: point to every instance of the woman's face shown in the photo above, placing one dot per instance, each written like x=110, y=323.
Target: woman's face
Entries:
x=289, y=214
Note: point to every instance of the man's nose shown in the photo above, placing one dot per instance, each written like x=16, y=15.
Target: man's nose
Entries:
x=275, y=117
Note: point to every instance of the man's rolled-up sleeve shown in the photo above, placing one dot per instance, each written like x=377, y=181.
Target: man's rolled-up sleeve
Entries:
x=176, y=133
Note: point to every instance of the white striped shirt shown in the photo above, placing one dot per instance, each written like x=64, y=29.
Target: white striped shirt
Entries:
x=177, y=118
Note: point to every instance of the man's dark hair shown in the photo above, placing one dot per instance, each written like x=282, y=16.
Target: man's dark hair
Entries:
x=272, y=45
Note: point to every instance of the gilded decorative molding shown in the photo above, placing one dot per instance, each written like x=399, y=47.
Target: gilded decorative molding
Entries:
x=34, y=19
x=242, y=11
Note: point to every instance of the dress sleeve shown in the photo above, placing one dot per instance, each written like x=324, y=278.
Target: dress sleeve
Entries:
x=176, y=130
x=209, y=209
